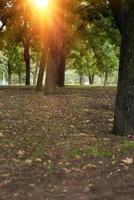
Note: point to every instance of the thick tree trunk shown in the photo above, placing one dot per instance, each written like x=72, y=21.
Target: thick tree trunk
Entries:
x=55, y=43
x=117, y=7
x=52, y=71
x=124, y=111
x=61, y=76
x=41, y=68
x=27, y=61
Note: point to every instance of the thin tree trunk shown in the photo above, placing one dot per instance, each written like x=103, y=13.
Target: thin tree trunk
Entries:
x=41, y=68
x=19, y=76
x=61, y=76
x=35, y=73
x=27, y=61
x=9, y=74
x=81, y=76
x=124, y=111
x=91, y=79
x=105, y=78
x=9, y=78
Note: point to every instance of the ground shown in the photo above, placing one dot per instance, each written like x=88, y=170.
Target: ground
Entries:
x=61, y=147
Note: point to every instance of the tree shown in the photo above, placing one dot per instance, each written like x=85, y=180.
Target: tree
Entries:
x=124, y=111
x=19, y=66
x=117, y=9
x=20, y=27
x=44, y=54
x=97, y=48
x=55, y=44
x=12, y=61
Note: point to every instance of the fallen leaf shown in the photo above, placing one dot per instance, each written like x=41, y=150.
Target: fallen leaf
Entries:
x=21, y=152
x=28, y=161
x=1, y=135
x=128, y=161
x=38, y=159
x=32, y=185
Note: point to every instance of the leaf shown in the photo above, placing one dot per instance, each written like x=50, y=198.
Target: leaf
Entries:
x=31, y=185
x=128, y=161
x=131, y=137
x=21, y=152
x=111, y=120
x=1, y=134
x=28, y=161
x=38, y=159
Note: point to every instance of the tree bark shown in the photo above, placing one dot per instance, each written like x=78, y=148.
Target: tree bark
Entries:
x=42, y=68
x=9, y=79
x=27, y=61
x=62, y=66
x=19, y=76
x=105, y=78
x=81, y=76
x=56, y=33
x=91, y=79
x=52, y=71
x=35, y=73
x=61, y=76
x=9, y=74
x=117, y=7
x=124, y=111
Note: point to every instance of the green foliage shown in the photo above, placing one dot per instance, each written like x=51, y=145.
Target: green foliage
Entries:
x=92, y=38
x=13, y=57
x=96, y=50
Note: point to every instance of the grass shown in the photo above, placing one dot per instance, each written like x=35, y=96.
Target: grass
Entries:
x=127, y=146
x=95, y=150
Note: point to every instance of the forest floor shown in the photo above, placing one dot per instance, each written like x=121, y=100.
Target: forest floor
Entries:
x=61, y=147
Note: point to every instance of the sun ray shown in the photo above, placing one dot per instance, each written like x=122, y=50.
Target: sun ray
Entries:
x=41, y=4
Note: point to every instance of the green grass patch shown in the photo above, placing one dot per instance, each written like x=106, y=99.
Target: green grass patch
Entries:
x=38, y=151
x=127, y=146
x=90, y=151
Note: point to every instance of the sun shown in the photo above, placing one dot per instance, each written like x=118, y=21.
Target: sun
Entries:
x=41, y=4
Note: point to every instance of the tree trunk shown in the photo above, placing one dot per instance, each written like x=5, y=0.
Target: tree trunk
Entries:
x=91, y=79
x=81, y=76
x=52, y=71
x=105, y=78
x=61, y=76
x=124, y=111
x=35, y=73
x=19, y=76
x=27, y=61
x=41, y=68
x=9, y=73
x=9, y=78
x=55, y=43
x=117, y=7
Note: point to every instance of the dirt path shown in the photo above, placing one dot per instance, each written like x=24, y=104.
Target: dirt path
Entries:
x=60, y=147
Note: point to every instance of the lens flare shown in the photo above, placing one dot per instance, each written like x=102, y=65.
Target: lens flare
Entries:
x=41, y=4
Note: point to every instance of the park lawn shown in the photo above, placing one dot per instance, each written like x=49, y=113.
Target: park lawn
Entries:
x=61, y=148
